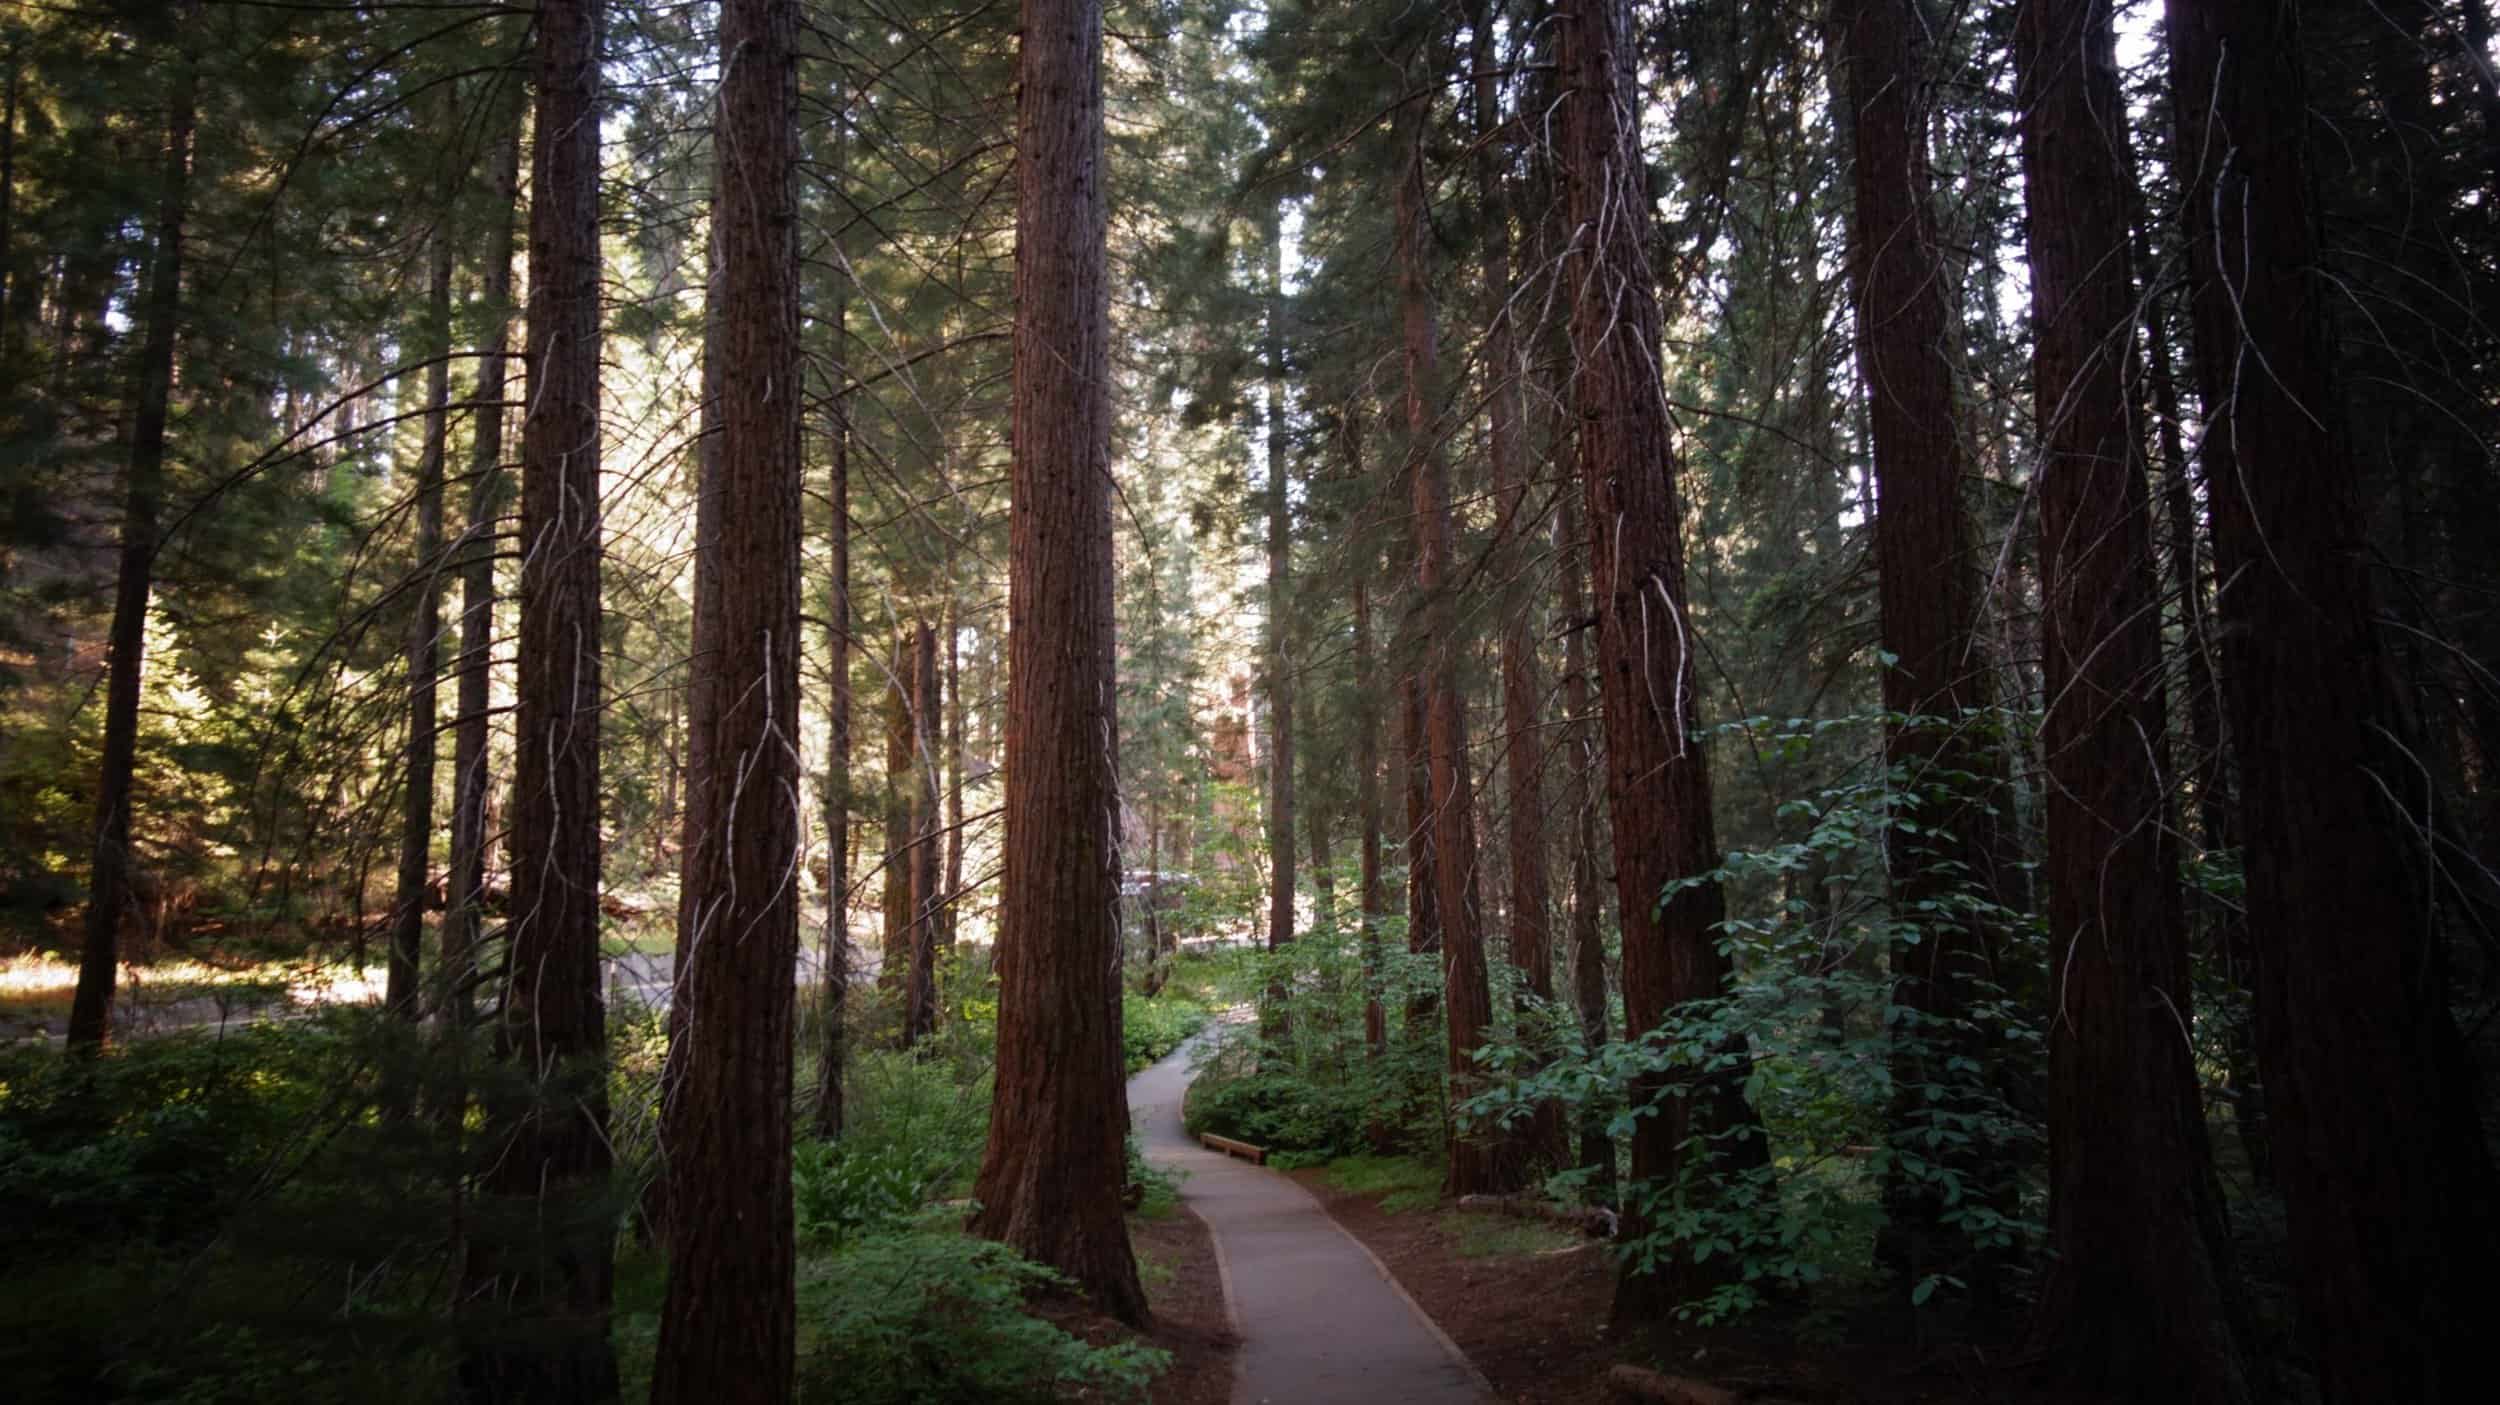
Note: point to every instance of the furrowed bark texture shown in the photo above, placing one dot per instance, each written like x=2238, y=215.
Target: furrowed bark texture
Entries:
x=1928, y=590
x=1658, y=778
x=108, y=882
x=1051, y=1175
x=2139, y=1284
x=728, y=1326
x=547, y=1152
x=2378, y=1149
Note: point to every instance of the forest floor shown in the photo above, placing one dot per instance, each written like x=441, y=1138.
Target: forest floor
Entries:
x=1529, y=1306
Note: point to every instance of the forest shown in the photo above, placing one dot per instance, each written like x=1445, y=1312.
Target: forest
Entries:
x=725, y=700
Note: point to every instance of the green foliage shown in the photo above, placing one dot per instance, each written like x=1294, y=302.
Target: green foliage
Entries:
x=913, y=1134
x=917, y=1314
x=1151, y=1027
x=1403, y=1182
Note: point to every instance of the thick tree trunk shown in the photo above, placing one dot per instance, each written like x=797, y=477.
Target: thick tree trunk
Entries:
x=1050, y=1181
x=2139, y=1297
x=547, y=1154
x=464, y=916
x=2386, y=1177
x=109, y=881
x=1476, y=1164
x=1928, y=589
x=425, y=628
x=1658, y=777
x=728, y=1327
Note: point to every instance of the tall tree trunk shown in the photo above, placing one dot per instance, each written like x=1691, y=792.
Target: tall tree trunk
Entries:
x=833, y=1045
x=1927, y=587
x=951, y=892
x=548, y=1148
x=1523, y=681
x=1476, y=1164
x=895, y=973
x=728, y=1328
x=1658, y=777
x=2139, y=1293
x=928, y=713
x=425, y=628
x=1588, y=898
x=1050, y=1181
x=1369, y=894
x=1278, y=664
x=109, y=882
x=464, y=914
x=8, y=189
x=2386, y=1177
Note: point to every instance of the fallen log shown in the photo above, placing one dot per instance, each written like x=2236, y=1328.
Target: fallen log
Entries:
x=1658, y=1388
x=1256, y=1156
x=1594, y=1221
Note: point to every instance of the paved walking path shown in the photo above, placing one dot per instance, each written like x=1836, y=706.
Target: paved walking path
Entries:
x=1321, y=1321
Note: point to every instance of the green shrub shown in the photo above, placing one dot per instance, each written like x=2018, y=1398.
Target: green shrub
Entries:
x=1151, y=1027
x=921, y=1315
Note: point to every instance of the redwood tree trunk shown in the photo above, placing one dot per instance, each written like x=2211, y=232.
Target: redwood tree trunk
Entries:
x=728, y=1327
x=108, y=882
x=832, y=1050
x=547, y=1156
x=1588, y=898
x=1050, y=1181
x=923, y=858
x=1279, y=668
x=2140, y=1284
x=1476, y=1164
x=1928, y=590
x=1369, y=895
x=1658, y=777
x=2379, y=1150
x=895, y=972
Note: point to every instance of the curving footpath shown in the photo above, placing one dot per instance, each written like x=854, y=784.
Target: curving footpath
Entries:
x=1320, y=1319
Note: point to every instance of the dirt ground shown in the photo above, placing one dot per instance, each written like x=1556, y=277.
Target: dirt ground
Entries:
x=1529, y=1307
x=1185, y=1290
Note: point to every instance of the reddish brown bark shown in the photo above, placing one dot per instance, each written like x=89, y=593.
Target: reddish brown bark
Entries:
x=1588, y=898
x=1928, y=590
x=1658, y=777
x=833, y=1043
x=1477, y=1164
x=2386, y=1177
x=1051, y=1175
x=548, y=1158
x=109, y=880
x=2138, y=1293
x=728, y=1326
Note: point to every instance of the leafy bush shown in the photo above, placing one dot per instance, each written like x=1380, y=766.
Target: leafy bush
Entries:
x=1151, y=1027
x=912, y=1315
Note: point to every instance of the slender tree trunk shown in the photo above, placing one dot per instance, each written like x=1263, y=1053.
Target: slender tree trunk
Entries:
x=1423, y=887
x=833, y=1051
x=416, y=825
x=1523, y=681
x=728, y=1327
x=1279, y=666
x=547, y=1155
x=1658, y=778
x=920, y=1006
x=895, y=973
x=2386, y=1176
x=8, y=191
x=1588, y=897
x=1370, y=895
x=951, y=894
x=1050, y=1181
x=1928, y=580
x=2139, y=1293
x=464, y=916
x=109, y=882
x=1476, y=1164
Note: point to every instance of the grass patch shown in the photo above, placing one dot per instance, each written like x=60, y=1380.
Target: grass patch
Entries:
x=1403, y=1182
x=1480, y=1236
